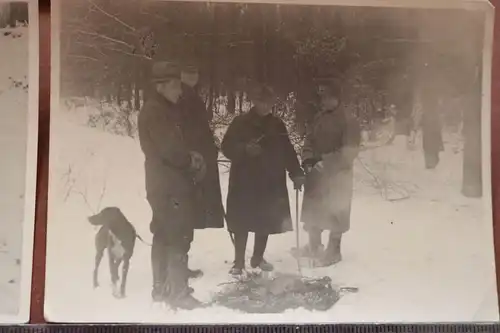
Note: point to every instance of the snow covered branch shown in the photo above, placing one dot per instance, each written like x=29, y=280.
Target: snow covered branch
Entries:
x=116, y=19
x=110, y=39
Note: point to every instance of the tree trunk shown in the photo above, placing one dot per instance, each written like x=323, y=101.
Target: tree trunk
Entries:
x=4, y=14
x=137, y=85
x=119, y=92
x=231, y=102
x=240, y=101
x=213, y=58
x=472, y=173
x=472, y=159
x=129, y=95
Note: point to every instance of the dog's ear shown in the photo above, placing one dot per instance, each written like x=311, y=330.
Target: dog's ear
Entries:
x=95, y=219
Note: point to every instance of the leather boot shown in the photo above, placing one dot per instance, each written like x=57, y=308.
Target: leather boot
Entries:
x=159, y=268
x=332, y=254
x=179, y=296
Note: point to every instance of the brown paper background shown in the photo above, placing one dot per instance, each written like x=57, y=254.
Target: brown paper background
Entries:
x=38, y=278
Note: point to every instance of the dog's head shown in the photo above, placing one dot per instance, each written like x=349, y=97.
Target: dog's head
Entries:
x=105, y=215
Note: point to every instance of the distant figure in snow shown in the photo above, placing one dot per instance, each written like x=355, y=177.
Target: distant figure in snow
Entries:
x=172, y=172
x=431, y=127
x=331, y=145
x=261, y=154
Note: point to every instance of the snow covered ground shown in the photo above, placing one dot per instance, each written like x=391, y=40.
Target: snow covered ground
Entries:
x=424, y=259
x=13, y=148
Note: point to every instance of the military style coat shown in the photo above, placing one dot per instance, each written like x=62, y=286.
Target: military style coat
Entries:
x=332, y=137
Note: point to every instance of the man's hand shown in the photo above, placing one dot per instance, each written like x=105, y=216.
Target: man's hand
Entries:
x=319, y=166
x=307, y=168
x=298, y=182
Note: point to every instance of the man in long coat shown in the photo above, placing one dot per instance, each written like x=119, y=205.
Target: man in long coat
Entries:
x=199, y=137
x=331, y=144
x=261, y=154
x=172, y=171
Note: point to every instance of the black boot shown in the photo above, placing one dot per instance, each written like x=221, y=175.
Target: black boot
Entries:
x=240, y=244
x=262, y=264
x=186, y=302
x=180, y=294
x=257, y=260
x=332, y=255
x=159, y=267
x=314, y=249
x=237, y=270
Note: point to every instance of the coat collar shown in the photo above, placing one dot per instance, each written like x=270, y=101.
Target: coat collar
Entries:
x=161, y=99
x=166, y=106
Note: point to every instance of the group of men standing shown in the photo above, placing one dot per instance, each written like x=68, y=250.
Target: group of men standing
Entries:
x=183, y=187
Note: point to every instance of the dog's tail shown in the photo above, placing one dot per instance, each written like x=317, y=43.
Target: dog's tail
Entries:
x=142, y=240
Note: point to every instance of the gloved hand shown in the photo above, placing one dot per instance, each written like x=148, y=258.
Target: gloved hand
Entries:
x=319, y=166
x=307, y=168
x=198, y=166
x=308, y=165
x=253, y=149
x=298, y=182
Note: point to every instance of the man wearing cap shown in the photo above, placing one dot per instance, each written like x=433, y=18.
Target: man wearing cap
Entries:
x=331, y=144
x=171, y=170
x=261, y=154
x=199, y=137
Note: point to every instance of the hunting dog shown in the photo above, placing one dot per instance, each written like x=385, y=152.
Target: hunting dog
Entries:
x=117, y=235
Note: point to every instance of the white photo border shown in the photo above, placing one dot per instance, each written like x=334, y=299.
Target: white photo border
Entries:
x=23, y=315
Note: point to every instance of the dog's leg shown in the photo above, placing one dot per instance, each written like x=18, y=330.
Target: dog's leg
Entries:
x=126, y=265
x=116, y=289
x=98, y=258
x=101, y=241
x=113, y=269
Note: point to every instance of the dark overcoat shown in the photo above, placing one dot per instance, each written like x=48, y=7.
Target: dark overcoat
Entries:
x=333, y=138
x=170, y=183
x=199, y=137
x=258, y=196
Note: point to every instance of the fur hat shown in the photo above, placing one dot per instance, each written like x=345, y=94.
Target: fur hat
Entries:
x=259, y=91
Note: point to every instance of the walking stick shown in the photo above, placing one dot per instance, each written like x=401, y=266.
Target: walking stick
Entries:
x=297, y=237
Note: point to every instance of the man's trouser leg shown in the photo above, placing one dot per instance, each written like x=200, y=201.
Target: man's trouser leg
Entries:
x=159, y=267
x=240, y=245
x=178, y=245
x=259, y=247
x=314, y=239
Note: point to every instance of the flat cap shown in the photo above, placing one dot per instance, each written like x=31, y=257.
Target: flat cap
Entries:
x=164, y=71
x=328, y=85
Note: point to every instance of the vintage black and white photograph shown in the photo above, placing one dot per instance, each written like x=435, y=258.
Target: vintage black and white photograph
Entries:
x=18, y=148
x=246, y=162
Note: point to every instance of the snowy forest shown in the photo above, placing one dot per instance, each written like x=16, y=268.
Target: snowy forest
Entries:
x=15, y=150
x=421, y=237
x=389, y=60
x=13, y=12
